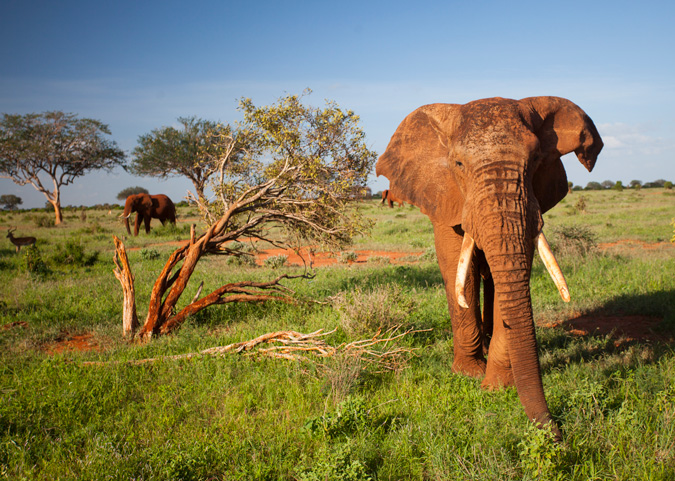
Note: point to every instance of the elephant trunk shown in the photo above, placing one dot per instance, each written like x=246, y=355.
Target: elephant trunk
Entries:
x=509, y=249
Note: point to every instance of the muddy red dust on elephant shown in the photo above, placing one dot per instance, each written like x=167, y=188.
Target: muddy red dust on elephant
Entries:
x=485, y=172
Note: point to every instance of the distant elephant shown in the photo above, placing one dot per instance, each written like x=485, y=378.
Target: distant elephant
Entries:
x=485, y=172
x=387, y=195
x=148, y=207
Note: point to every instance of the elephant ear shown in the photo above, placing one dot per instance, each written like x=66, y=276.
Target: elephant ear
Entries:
x=416, y=162
x=146, y=201
x=562, y=127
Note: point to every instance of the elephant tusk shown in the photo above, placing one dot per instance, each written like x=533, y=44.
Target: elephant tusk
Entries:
x=122, y=216
x=463, y=264
x=552, y=266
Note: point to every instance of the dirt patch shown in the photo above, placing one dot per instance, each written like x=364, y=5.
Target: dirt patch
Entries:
x=78, y=342
x=621, y=328
x=321, y=259
x=634, y=244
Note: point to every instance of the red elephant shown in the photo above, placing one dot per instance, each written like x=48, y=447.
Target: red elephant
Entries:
x=387, y=195
x=148, y=207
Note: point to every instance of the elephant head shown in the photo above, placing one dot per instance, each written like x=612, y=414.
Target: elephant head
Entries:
x=140, y=203
x=487, y=171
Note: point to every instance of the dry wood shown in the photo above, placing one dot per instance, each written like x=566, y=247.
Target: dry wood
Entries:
x=123, y=274
x=296, y=345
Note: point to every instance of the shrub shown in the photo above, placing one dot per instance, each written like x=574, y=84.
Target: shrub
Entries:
x=242, y=260
x=33, y=261
x=150, y=254
x=580, y=205
x=73, y=253
x=668, y=185
x=618, y=186
x=379, y=259
x=383, y=308
x=573, y=240
x=275, y=262
x=43, y=221
x=347, y=257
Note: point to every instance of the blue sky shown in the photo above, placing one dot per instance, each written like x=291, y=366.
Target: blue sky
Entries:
x=137, y=66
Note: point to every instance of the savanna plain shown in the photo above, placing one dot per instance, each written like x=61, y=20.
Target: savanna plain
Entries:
x=78, y=401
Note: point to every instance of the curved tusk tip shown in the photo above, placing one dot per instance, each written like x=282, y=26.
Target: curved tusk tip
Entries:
x=565, y=294
x=462, y=302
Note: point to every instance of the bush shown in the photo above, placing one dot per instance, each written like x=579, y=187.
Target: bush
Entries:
x=43, y=221
x=73, y=253
x=242, y=261
x=571, y=241
x=347, y=257
x=275, y=262
x=383, y=308
x=33, y=261
x=668, y=185
x=580, y=205
x=150, y=254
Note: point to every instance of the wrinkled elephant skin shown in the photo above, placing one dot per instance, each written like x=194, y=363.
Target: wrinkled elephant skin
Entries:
x=485, y=172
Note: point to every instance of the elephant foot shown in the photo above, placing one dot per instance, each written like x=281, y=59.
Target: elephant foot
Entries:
x=496, y=379
x=470, y=367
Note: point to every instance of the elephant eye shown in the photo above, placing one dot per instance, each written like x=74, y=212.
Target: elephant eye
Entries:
x=459, y=164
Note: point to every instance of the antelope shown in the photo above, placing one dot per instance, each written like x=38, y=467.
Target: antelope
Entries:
x=19, y=241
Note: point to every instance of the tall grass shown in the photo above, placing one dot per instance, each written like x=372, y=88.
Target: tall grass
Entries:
x=253, y=417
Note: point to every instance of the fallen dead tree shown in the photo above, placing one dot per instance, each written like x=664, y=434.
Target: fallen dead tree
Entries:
x=296, y=346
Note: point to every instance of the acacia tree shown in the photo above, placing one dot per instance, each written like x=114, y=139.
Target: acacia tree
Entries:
x=55, y=145
x=188, y=151
x=10, y=201
x=124, y=193
x=290, y=186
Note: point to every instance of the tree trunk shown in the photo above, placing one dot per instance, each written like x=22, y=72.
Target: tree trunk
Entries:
x=123, y=274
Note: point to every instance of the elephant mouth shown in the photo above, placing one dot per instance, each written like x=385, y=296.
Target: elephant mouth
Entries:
x=466, y=255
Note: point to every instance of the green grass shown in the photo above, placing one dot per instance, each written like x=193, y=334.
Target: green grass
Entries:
x=241, y=417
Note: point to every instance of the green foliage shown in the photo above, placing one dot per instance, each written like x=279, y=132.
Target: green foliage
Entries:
x=430, y=254
x=668, y=185
x=124, y=193
x=10, y=201
x=336, y=464
x=43, y=221
x=191, y=151
x=593, y=186
x=380, y=309
x=275, y=262
x=33, y=261
x=540, y=455
x=573, y=240
x=150, y=254
x=618, y=186
x=72, y=252
x=243, y=260
x=347, y=257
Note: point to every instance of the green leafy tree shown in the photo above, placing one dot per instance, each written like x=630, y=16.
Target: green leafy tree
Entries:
x=668, y=185
x=287, y=178
x=10, y=201
x=54, y=146
x=636, y=184
x=618, y=186
x=594, y=186
x=124, y=193
x=191, y=151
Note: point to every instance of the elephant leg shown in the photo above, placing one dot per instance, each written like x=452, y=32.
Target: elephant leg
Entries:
x=499, y=373
x=467, y=329
x=137, y=224
x=146, y=220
